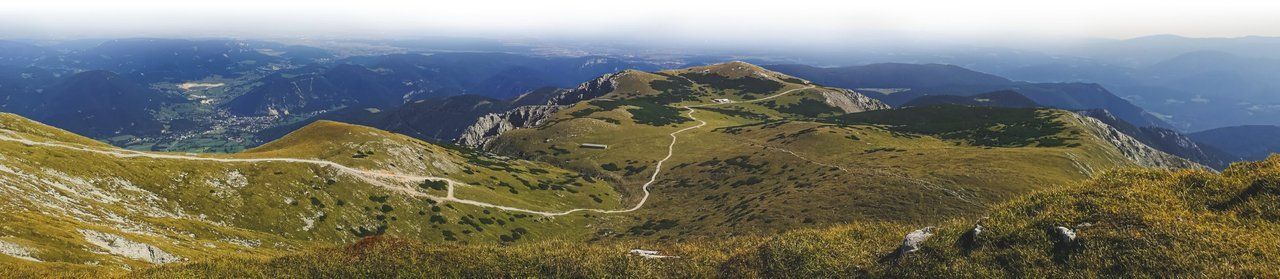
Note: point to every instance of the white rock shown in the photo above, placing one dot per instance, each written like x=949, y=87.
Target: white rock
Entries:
x=912, y=241
x=649, y=254
x=16, y=251
x=1065, y=235
x=118, y=245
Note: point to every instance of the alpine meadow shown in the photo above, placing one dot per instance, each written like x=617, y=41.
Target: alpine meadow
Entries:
x=566, y=139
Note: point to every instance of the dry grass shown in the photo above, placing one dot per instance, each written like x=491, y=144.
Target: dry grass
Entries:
x=1140, y=223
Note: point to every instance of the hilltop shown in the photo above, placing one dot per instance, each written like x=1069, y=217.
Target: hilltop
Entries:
x=750, y=143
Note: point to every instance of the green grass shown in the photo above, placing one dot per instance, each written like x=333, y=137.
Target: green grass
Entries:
x=647, y=111
x=760, y=168
x=763, y=190
x=746, y=87
x=986, y=126
x=204, y=209
x=1141, y=223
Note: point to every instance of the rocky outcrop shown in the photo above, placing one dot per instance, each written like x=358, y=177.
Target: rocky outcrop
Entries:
x=492, y=125
x=118, y=245
x=16, y=251
x=851, y=102
x=1132, y=148
x=1166, y=140
x=1064, y=234
x=913, y=240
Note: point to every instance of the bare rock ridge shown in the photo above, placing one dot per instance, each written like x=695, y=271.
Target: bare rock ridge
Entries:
x=1166, y=140
x=851, y=102
x=491, y=125
x=1132, y=148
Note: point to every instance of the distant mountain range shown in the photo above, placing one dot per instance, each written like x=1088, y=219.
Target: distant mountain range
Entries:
x=173, y=60
x=174, y=94
x=1252, y=142
x=441, y=119
x=101, y=104
x=897, y=84
x=1162, y=139
x=388, y=81
x=1193, y=83
x=323, y=89
x=1003, y=98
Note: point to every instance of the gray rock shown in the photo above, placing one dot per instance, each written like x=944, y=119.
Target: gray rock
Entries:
x=1065, y=235
x=850, y=102
x=912, y=241
x=1133, y=149
x=490, y=126
x=118, y=245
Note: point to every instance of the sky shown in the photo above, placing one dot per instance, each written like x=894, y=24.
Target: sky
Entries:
x=725, y=22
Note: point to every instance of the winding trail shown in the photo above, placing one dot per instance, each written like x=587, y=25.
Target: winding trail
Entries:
x=379, y=178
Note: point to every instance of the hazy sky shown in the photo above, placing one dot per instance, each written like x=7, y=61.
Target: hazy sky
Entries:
x=676, y=20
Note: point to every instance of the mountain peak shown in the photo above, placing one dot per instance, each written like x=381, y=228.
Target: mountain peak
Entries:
x=740, y=69
x=323, y=132
x=733, y=69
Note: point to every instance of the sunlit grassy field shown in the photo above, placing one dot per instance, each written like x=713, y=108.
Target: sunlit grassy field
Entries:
x=1129, y=223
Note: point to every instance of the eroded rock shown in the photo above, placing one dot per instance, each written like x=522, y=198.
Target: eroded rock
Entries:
x=850, y=102
x=1065, y=235
x=492, y=125
x=118, y=245
x=17, y=251
x=913, y=240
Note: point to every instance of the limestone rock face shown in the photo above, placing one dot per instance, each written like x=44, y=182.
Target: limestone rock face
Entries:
x=1166, y=140
x=1133, y=149
x=491, y=125
x=119, y=245
x=851, y=102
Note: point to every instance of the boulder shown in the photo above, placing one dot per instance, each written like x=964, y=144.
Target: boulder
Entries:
x=1065, y=235
x=912, y=241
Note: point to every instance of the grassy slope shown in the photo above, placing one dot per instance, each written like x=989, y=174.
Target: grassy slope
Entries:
x=755, y=169
x=767, y=167
x=202, y=210
x=1141, y=223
